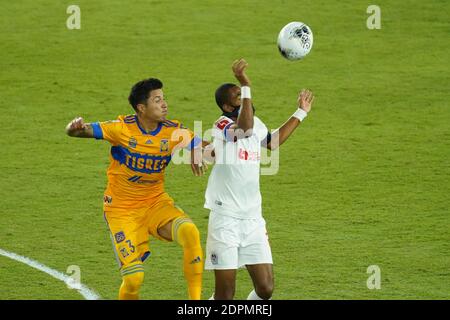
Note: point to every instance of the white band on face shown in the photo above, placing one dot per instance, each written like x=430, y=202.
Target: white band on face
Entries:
x=245, y=92
x=300, y=114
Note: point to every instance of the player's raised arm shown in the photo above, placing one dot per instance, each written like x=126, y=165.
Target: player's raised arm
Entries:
x=245, y=118
x=242, y=125
x=305, y=100
x=78, y=128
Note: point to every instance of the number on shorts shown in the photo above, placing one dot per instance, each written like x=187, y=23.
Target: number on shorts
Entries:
x=131, y=246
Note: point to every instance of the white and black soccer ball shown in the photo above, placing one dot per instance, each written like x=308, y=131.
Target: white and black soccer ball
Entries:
x=295, y=40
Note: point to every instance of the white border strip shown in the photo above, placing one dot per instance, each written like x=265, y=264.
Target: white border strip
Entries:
x=87, y=293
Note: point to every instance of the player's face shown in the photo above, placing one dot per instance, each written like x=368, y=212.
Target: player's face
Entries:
x=234, y=102
x=235, y=97
x=156, y=108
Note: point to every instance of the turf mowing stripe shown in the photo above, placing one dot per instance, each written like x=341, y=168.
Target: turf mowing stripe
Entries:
x=87, y=293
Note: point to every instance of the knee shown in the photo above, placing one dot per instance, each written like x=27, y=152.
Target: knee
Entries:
x=265, y=290
x=133, y=281
x=188, y=235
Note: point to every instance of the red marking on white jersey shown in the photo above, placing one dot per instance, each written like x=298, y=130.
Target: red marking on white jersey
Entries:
x=248, y=155
x=222, y=123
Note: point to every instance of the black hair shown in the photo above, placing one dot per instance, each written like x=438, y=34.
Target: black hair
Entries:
x=141, y=91
x=223, y=94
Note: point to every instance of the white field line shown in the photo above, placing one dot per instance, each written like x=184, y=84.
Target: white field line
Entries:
x=87, y=293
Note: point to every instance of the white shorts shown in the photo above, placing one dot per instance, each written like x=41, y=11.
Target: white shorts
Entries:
x=233, y=243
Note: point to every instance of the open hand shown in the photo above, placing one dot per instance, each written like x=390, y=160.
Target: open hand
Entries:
x=305, y=100
x=198, y=165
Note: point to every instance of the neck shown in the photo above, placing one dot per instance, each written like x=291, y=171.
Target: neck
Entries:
x=147, y=124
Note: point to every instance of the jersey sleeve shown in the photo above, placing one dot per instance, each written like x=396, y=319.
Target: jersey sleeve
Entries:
x=220, y=128
x=108, y=130
x=260, y=129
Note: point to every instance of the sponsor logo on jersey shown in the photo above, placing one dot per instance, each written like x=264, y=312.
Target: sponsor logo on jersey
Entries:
x=164, y=146
x=132, y=143
x=149, y=141
x=147, y=181
x=137, y=179
x=219, y=203
x=119, y=236
x=248, y=155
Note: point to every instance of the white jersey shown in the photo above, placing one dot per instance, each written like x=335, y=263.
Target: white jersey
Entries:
x=233, y=186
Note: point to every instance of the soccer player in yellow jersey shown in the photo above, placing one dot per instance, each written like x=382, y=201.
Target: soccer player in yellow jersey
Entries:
x=135, y=204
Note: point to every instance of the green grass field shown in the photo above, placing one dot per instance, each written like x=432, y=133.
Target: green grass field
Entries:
x=364, y=181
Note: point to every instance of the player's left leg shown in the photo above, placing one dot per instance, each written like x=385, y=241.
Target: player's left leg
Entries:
x=170, y=223
x=262, y=277
x=185, y=233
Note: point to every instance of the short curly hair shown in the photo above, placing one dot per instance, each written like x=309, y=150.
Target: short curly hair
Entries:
x=141, y=91
x=223, y=94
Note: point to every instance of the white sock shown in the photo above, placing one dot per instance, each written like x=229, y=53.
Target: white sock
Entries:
x=253, y=296
x=212, y=297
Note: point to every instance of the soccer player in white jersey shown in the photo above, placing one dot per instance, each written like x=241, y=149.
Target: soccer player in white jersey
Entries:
x=237, y=234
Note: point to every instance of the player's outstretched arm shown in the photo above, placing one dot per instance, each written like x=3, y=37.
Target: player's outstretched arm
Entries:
x=209, y=155
x=198, y=163
x=77, y=128
x=305, y=100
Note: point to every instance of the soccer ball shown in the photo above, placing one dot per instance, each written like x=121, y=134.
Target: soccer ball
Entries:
x=295, y=40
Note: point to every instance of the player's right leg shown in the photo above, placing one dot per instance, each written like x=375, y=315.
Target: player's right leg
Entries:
x=130, y=241
x=132, y=279
x=222, y=254
x=255, y=253
x=262, y=277
x=225, y=284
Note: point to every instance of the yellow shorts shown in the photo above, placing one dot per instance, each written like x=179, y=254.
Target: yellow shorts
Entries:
x=131, y=228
